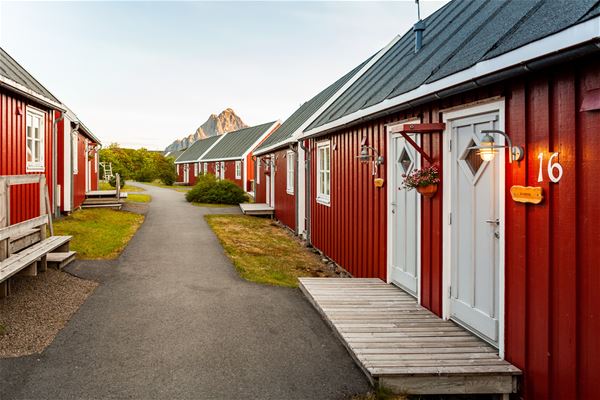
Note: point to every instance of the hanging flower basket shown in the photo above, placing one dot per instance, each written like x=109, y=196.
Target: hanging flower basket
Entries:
x=424, y=180
x=427, y=191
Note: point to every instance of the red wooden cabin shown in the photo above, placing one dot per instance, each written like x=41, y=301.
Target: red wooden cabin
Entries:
x=521, y=274
x=232, y=157
x=188, y=163
x=27, y=128
x=78, y=162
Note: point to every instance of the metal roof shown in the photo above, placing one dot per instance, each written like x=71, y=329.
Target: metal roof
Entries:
x=16, y=74
x=235, y=144
x=457, y=36
x=303, y=114
x=195, y=151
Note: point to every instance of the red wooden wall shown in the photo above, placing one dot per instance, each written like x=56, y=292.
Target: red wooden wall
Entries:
x=24, y=198
x=552, y=249
x=285, y=204
x=230, y=173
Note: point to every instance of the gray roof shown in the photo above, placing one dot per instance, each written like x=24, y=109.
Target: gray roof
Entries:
x=457, y=36
x=11, y=69
x=174, y=154
x=235, y=144
x=195, y=151
x=306, y=110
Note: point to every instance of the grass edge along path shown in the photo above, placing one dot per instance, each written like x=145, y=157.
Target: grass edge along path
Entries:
x=138, y=198
x=99, y=233
x=126, y=188
x=263, y=252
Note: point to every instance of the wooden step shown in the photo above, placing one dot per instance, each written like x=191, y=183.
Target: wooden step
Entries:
x=59, y=260
x=108, y=205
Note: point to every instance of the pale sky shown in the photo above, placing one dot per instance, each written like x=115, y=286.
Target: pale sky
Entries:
x=143, y=74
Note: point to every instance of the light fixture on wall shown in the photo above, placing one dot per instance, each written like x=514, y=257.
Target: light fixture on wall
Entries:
x=372, y=156
x=488, y=148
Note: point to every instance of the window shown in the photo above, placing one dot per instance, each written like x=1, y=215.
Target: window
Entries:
x=323, y=172
x=195, y=169
x=258, y=170
x=205, y=168
x=35, y=135
x=238, y=170
x=291, y=161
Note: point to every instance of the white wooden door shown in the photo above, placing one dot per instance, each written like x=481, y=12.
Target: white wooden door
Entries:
x=269, y=180
x=405, y=219
x=476, y=229
x=186, y=173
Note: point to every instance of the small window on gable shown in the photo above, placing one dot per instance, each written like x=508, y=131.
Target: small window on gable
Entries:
x=35, y=136
x=323, y=173
x=238, y=170
x=290, y=163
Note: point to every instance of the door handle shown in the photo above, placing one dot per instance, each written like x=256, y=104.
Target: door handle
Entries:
x=493, y=221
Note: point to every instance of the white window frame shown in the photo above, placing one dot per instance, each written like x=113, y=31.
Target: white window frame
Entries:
x=238, y=170
x=290, y=158
x=37, y=163
x=195, y=169
x=258, y=170
x=324, y=196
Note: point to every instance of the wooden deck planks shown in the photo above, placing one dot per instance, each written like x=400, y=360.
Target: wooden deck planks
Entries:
x=396, y=341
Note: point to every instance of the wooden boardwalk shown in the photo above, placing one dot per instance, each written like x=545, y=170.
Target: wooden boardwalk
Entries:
x=403, y=346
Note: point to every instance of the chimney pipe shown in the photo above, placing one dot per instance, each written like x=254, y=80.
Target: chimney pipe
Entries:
x=418, y=29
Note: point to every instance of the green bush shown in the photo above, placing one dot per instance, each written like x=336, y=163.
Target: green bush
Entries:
x=145, y=174
x=113, y=182
x=210, y=190
x=168, y=176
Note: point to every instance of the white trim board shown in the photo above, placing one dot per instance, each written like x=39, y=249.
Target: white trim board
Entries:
x=493, y=106
x=569, y=37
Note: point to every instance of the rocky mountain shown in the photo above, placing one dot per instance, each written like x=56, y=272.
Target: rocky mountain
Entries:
x=226, y=121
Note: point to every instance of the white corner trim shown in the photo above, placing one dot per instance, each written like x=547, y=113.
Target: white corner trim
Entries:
x=569, y=37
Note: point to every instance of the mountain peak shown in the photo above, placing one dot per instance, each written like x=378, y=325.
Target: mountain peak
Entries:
x=226, y=121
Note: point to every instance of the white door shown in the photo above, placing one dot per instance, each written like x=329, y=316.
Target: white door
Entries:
x=269, y=185
x=222, y=170
x=476, y=228
x=405, y=218
x=186, y=173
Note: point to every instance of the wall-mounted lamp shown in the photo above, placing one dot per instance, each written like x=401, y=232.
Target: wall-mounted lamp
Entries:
x=373, y=156
x=488, y=148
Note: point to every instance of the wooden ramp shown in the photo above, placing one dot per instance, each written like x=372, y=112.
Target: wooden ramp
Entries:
x=403, y=346
x=104, y=198
x=257, y=209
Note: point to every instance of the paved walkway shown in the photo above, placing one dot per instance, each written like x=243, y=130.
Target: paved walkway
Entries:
x=172, y=320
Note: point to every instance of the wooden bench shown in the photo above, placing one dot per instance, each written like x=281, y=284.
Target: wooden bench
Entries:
x=28, y=250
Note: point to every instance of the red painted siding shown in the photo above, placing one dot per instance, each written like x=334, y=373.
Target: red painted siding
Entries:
x=79, y=177
x=24, y=199
x=230, y=174
x=552, y=276
x=285, y=203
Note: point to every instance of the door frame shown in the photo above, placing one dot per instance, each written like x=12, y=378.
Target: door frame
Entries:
x=390, y=129
x=497, y=105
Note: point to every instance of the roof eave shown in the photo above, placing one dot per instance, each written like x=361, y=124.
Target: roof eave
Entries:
x=525, y=58
x=30, y=94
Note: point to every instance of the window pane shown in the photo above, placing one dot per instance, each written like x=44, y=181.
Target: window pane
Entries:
x=36, y=152
x=29, y=150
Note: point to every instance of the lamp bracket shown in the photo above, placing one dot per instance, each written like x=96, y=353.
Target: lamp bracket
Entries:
x=420, y=128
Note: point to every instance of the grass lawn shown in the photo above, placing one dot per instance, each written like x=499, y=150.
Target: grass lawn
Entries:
x=126, y=188
x=99, y=233
x=138, y=198
x=210, y=205
x=263, y=252
x=174, y=187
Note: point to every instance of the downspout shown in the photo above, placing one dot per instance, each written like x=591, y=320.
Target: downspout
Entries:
x=307, y=191
x=55, y=164
x=296, y=162
x=73, y=130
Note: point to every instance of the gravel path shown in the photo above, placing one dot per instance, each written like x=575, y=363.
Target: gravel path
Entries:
x=38, y=308
x=172, y=319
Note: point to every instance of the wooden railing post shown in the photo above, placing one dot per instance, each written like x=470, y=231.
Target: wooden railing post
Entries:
x=118, y=181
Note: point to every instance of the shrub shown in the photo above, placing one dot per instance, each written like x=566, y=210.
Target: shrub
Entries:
x=168, y=176
x=113, y=182
x=146, y=174
x=210, y=190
